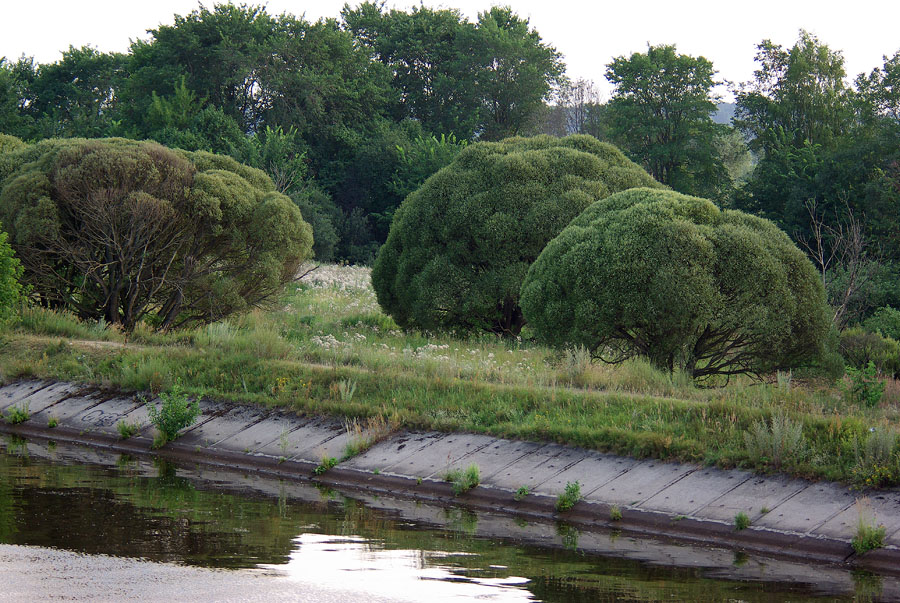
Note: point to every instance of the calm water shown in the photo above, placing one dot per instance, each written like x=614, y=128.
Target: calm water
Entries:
x=148, y=519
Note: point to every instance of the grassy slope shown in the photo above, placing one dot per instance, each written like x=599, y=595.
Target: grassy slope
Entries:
x=328, y=335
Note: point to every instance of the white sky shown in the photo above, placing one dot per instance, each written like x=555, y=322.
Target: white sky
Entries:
x=588, y=33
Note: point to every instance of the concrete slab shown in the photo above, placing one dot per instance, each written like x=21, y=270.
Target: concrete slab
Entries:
x=525, y=472
x=393, y=450
x=695, y=491
x=441, y=456
x=259, y=434
x=808, y=509
x=218, y=422
x=105, y=416
x=497, y=455
x=591, y=472
x=12, y=394
x=641, y=482
x=43, y=397
x=68, y=407
x=751, y=497
x=879, y=508
x=333, y=446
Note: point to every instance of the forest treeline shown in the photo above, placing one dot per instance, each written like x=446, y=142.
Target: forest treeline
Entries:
x=349, y=115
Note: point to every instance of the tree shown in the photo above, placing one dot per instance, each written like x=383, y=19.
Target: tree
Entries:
x=460, y=245
x=580, y=101
x=674, y=278
x=10, y=274
x=660, y=113
x=122, y=230
x=517, y=71
x=799, y=91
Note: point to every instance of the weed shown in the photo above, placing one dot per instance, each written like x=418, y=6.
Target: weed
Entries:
x=364, y=436
x=678, y=518
x=418, y=481
x=575, y=363
x=868, y=535
x=615, y=513
x=522, y=493
x=463, y=481
x=283, y=442
x=775, y=443
x=866, y=387
x=346, y=388
x=741, y=521
x=784, y=380
x=765, y=510
x=52, y=422
x=175, y=413
x=376, y=472
x=328, y=462
x=17, y=414
x=876, y=463
x=569, y=496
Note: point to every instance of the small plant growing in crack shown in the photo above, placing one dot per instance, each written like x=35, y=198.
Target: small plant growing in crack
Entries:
x=17, y=414
x=328, y=462
x=741, y=521
x=463, y=481
x=522, y=493
x=615, y=513
x=569, y=497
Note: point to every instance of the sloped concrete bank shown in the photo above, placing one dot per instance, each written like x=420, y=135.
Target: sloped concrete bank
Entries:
x=790, y=518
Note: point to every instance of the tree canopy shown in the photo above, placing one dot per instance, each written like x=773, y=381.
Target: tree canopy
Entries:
x=122, y=230
x=676, y=279
x=460, y=245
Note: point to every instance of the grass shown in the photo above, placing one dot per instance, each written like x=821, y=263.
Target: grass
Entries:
x=869, y=536
x=569, y=497
x=741, y=521
x=52, y=422
x=326, y=348
x=463, y=480
x=615, y=513
x=127, y=430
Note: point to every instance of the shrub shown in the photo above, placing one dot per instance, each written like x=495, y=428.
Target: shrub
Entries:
x=676, y=279
x=741, y=521
x=119, y=229
x=569, y=497
x=10, y=273
x=17, y=414
x=866, y=387
x=775, y=443
x=174, y=414
x=860, y=347
x=463, y=481
x=460, y=245
x=876, y=463
x=885, y=321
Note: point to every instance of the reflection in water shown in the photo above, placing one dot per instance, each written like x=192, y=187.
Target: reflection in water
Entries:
x=84, y=501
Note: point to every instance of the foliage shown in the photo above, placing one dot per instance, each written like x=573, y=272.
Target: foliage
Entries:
x=569, y=497
x=174, y=413
x=522, y=493
x=660, y=113
x=17, y=414
x=459, y=246
x=127, y=429
x=328, y=462
x=861, y=348
x=121, y=230
x=52, y=422
x=885, y=321
x=10, y=275
x=741, y=521
x=779, y=442
x=868, y=536
x=675, y=279
x=866, y=387
x=615, y=513
x=463, y=480
x=876, y=460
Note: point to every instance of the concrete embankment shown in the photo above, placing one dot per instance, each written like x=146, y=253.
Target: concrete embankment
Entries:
x=789, y=517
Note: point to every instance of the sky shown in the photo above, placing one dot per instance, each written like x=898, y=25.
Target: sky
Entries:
x=588, y=33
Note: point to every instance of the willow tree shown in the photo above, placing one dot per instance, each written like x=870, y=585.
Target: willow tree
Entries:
x=124, y=230
x=679, y=281
x=460, y=245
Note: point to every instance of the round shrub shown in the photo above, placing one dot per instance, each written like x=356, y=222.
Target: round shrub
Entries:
x=125, y=230
x=674, y=278
x=459, y=246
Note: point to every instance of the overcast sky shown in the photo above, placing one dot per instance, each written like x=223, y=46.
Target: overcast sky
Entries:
x=588, y=33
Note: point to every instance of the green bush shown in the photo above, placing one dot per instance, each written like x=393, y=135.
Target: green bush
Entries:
x=174, y=414
x=674, y=278
x=866, y=386
x=460, y=245
x=10, y=273
x=121, y=230
x=860, y=347
x=885, y=321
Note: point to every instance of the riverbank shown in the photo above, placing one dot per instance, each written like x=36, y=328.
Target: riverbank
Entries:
x=787, y=517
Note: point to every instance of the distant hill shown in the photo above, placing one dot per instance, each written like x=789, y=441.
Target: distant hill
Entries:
x=724, y=113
